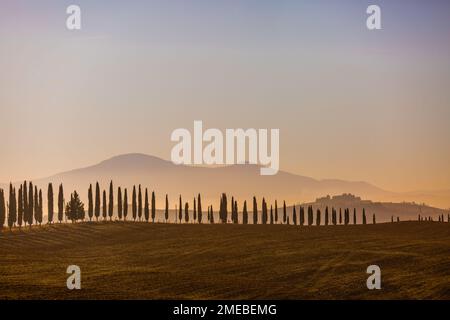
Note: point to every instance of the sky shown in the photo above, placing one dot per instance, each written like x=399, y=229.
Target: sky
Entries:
x=350, y=103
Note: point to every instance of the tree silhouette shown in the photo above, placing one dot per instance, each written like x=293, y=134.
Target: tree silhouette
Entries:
x=20, y=207
x=264, y=211
x=30, y=214
x=111, y=201
x=36, y=205
x=25, y=203
x=119, y=203
x=153, y=206
x=50, y=209
x=346, y=216
x=146, y=206
x=302, y=216
x=125, y=205
x=199, y=209
x=186, y=212
x=284, y=212
x=212, y=215
x=364, y=216
x=40, y=208
x=255, y=211
x=90, y=203
x=75, y=208
x=294, y=216
x=354, y=215
x=140, y=203
x=333, y=216
x=245, y=213
x=276, y=212
x=180, y=211
x=271, y=215
x=134, y=204
x=318, y=217
x=373, y=219
x=340, y=216
x=60, y=203
x=195, y=210
x=310, y=216
x=166, y=213
x=12, y=212
x=326, y=215
x=97, y=201
x=2, y=209
x=105, y=207
x=236, y=218
x=223, y=208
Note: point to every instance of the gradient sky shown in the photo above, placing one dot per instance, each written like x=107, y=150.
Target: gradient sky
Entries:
x=350, y=103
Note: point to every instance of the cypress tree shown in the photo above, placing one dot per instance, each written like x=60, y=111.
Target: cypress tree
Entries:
x=199, y=209
x=119, y=203
x=25, y=203
x=20, y=208
x=276, y=212
x=255, y=211
x=236, y=218
x=212, y=215
x=153, y=206
x=186, y=212
x=340, y=216
x=30, y=204
x=318, y=217
x=195, y=211
x=264, y=211
x=60, y=203
x=105, y=206
x=111, y=201
x=347, y=216
x=90, y=203
x=166, y=213
x=364, y=216
x=125, y=205
x=310, y=216
x=302, y=216
x=326, y=215
x=97, y=201
x=146, y=206
x=224, y=209
x=333, y=216
x=284, y=212
x=294, y=216
x=245, y=213
x=36, y=204
x=373, y=219
x=2, y=209
x=134, y=204
x=392, y=219
x=50, y=209
x=40, y=215
x=271, y=215
x=354, y=215
x=12, y=214
x=139, y=203
x=180, y=211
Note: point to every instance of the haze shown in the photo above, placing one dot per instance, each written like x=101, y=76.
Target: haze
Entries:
x=350, y=103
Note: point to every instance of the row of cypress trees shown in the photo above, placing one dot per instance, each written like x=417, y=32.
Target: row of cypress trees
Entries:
x=26, y=208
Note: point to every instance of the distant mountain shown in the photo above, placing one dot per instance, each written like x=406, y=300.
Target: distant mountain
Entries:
x=241, y=181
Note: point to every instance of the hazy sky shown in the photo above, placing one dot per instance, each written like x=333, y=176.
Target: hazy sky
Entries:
x=350, y=103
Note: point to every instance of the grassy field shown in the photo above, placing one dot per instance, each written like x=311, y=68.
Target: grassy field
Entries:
x=166, y=261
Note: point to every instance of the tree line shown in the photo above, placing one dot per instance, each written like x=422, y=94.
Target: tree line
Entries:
x=26, y=208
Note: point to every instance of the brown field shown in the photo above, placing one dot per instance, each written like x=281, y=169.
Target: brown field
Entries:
x=167, y=261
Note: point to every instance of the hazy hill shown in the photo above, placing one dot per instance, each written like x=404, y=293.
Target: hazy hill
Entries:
x=383, y=210
x=242, y=181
